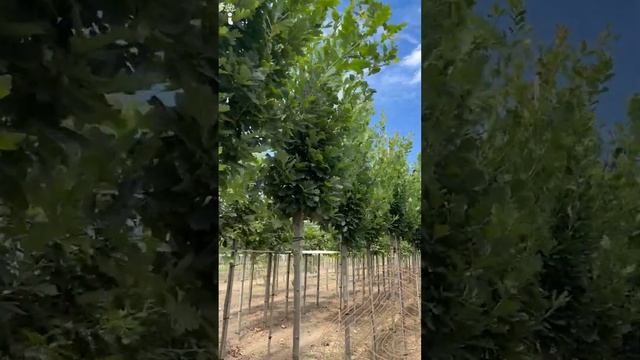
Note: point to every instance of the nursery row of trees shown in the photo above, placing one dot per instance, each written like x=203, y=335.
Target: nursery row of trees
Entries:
x=378, y=207
x=531, y=243
x=296, y=146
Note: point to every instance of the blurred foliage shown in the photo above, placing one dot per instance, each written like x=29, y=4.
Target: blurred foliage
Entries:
x=530, y=243
x=108, y=207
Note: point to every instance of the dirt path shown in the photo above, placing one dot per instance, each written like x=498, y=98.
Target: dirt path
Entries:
x=321, y=335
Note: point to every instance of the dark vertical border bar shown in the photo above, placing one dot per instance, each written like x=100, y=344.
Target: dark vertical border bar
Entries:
x=423, y=164
x=213, y=33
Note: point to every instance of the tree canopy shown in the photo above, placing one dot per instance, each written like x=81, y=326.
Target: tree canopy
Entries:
x=530, y=246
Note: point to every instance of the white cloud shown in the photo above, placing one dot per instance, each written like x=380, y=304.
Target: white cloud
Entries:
x=404, y=36
x=417, y=76
x=407, y=72
x=414, y=58
x=388, y=81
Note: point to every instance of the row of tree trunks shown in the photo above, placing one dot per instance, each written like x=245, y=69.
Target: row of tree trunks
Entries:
x=371, y=267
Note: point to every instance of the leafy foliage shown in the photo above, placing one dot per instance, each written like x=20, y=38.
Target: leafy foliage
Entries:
x=528, y=248
x=324, y=102
x=106, y=230
x=259, y=42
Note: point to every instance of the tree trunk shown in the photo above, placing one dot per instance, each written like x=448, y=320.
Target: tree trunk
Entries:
x=337, y=272
x=377, y=273
x=353, y=278
x=275, y=278
x=398, y=261
x=372, y=314
x=227, y=302
x=384, y=274
x=363, y=279
x=266, y=289
x=244, y=267
x=326, y=273
x=339, y=289
x=418, y=273
x=298, y=244
x=304, y=295
x=271, y=306
x=253, y=263
x=389, y=269
x=318, y=284
x=286, y=295
x=345, y=302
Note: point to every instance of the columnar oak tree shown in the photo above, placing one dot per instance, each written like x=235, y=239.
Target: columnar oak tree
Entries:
x=304, y=174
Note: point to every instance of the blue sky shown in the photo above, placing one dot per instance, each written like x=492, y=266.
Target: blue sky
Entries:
x=586, y=19
x=398, y=85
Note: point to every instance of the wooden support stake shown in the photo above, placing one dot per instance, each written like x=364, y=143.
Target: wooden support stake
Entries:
x=298, y=245
x=326, y=273
x=363, y=278
x=227, y=303
x=372, y=314
x=384, y=276
x=244, y=267
x=304, y=296
x=253, y=262
x=353, y=277
x=377, y=274
x=286, y=296
x=399, y=276
x=272, y=305
x=266, y=289
x=318, y=284
x=345, y=303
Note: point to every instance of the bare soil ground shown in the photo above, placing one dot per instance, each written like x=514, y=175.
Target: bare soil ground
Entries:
x=322, y=337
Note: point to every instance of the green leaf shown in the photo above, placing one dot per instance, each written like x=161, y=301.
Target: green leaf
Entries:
x=440, y=230
x=46, y=289
x=382, y=14
x=5, y=85
x=10, y=140
x=506, y=307
x=83, y=45
x=184, y=316
x=633, y=110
